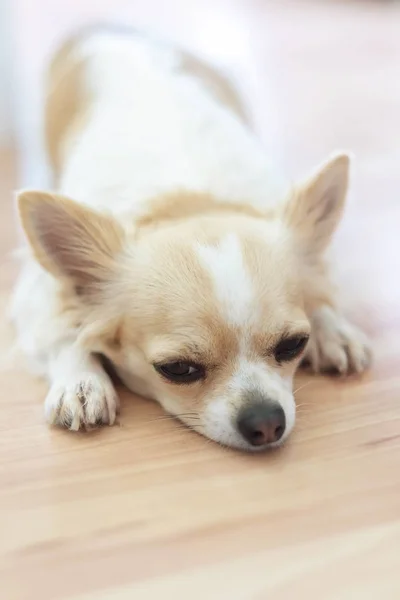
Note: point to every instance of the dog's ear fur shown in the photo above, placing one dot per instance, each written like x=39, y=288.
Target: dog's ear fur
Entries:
x=68, y=239
x=314, y=209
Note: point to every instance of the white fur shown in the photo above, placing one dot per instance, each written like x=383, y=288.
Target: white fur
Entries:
x=232, y=282
x=34, y=306
x=159, y=130
x=218, y=424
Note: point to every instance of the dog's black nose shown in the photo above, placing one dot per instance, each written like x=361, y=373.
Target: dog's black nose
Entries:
x=262, y=423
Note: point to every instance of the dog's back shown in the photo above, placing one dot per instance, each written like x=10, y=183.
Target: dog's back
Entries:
x=130, y=117
x=68, y=98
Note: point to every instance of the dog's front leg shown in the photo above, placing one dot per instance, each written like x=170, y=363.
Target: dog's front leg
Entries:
x=335, y=345
x=81, y=393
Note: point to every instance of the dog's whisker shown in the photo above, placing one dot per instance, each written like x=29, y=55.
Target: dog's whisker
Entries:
x=175, y=417
x=301, y=387
x=178, y=419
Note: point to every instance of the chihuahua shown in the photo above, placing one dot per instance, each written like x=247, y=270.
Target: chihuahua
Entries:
x=173, y=250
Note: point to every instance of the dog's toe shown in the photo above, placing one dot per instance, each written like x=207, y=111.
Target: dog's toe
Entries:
x=336, y=346
x=86, y=402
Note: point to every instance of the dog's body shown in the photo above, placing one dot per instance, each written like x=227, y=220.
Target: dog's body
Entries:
x=203, y=276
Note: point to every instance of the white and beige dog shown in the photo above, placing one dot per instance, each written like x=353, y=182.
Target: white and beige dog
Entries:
x=172, y=249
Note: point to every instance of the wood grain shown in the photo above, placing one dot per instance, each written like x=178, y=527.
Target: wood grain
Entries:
x=148, y=509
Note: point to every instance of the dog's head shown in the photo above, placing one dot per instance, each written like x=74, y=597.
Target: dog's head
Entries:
x=200, y=304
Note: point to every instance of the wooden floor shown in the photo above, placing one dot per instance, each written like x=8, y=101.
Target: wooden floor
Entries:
x=150, y=510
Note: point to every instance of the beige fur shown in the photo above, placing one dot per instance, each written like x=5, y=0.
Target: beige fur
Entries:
x=65, y=102
x=140, y=287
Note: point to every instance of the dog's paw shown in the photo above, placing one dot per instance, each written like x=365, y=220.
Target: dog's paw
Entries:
x=86, y=401
x=335, y=345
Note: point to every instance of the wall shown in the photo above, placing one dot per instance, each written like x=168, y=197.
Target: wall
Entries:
x=6, y=121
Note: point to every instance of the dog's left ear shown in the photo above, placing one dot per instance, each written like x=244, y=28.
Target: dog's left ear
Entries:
x=315, y=207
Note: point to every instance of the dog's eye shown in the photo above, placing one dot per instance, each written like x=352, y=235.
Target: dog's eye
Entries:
x=289, y=348
x=181, y=371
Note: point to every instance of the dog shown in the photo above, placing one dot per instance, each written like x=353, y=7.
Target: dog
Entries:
x=173, y=250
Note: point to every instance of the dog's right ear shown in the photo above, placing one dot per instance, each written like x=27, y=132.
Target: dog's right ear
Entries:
x=315, y=208
x=70, y=240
